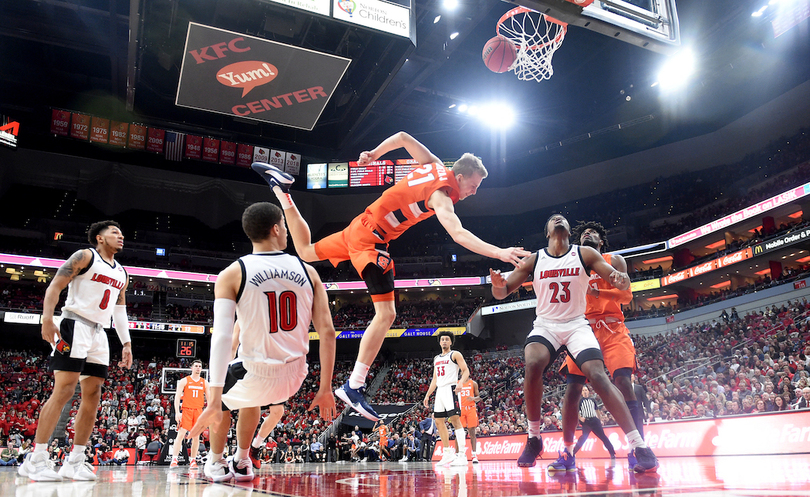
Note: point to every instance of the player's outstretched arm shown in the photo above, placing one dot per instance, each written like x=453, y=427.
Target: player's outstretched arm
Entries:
x=620, y=296
x=66, y=272
x=596, y=262
x=502, y=287
x=322, y=319
x=400, y=140
x=441, y=204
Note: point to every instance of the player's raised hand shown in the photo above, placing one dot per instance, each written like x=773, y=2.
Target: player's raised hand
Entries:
x=126, y=357
x=498, y=281
x=512, y=255
x=325, y=402
x=211, y=416
x=365, y=158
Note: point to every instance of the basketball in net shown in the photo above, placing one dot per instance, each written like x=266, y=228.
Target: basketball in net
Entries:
x=537, y=36
x=499, y=54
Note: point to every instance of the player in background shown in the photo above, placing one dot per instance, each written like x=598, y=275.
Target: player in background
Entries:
x=604, y=313
x=382, y=432
x=274, y=413
x=427, y=190
x=446, y=384
x=191, y=390
x=276, y=296
x=467, y=398
x=561, y=276
x=96, y=285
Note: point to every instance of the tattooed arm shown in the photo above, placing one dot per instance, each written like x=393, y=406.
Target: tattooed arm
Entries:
x=73, y=266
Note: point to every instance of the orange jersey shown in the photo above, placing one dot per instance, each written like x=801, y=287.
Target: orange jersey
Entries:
x=602, y=307
x=194, y=393
x=467, y=390
x=405, y=203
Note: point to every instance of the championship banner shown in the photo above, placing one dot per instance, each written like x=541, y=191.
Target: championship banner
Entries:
x=240, y=75
x=387, y=412
x=244, y=155
x=155, y=138
x=137, y=137
x=193, y=147
x=292, y=164
x=261, y=155
x=60, y=122
x=277, y=158
x=118, y=133
x=8, y=131
x=79, y=126
x=227, y=153
x=210, y=150
x=99, y=130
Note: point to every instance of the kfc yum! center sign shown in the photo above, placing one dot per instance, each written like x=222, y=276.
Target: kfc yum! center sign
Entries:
x=244, y=76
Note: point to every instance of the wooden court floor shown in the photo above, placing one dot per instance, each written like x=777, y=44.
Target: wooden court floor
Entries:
x=773, y=475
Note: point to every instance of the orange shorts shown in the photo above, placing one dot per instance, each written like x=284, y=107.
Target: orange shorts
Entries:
x=468, y=417
x=356, y=243
x=617, y=348
x=189, y=418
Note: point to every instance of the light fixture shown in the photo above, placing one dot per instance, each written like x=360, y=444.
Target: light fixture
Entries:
x=677, y=71
x=437, y=19
x=454, y=35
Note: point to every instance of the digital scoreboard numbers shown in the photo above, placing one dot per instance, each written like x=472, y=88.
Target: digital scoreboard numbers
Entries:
x=186, y=347
x=377, y=173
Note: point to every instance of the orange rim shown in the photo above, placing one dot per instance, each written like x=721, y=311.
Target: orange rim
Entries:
x=524, y=10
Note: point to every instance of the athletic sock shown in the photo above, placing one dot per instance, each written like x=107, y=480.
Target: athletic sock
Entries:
x=215, y=457
x=358, y=376
x=461, y=440
x=534, y=428
x=635, y=411
x=240, y=454
x=284, y=198
x=40, y=447
x=77, y=452
x=257, y=442
x=635, y=440
x=570, y=448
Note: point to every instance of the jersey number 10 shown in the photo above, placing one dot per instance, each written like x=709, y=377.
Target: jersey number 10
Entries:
x=283, y=311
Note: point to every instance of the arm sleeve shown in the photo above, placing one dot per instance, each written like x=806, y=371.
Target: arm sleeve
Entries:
x=121, y=324
x=221, y=338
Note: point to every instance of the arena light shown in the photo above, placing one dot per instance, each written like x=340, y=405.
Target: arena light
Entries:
x=663, y=297
x=659, y=259
x=716, y=244
x=677, y=71
x=450, y=4
x=454, y=35
x=796, y=215
x=437, y=19
x=497, y=115
x=722, y=285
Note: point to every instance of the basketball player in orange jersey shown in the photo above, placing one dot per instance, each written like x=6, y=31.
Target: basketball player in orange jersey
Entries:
x=604, y=313
x=467, y=398
x=383, y=435
x=192, y=391
x=429, y=189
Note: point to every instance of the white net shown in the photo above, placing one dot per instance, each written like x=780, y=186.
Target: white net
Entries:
x=536, y=37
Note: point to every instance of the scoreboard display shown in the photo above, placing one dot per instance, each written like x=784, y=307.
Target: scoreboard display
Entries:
x=383, y=173
x=186, y=347
x=377, y=173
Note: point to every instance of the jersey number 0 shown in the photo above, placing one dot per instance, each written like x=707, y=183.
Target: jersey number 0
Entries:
x=283, y=311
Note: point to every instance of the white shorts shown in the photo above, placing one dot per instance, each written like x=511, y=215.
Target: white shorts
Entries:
x=575, y=335
x=255, y=384
x=446, y=402
x=83, y=347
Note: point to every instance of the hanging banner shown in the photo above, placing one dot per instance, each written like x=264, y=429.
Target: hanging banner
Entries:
x=79, y=126
x=99, y=130
x=210, y=150
x=277, y=158
x=239, y=75
x=60, y=122
x=244, y=155
x=118, y=133
x=227, y=153
x=292, y=164
x=194, y=147
x=155, y=139
x=137, y=137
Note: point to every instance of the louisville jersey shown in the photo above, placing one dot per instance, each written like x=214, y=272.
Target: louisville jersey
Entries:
x=445, y=369
x=602, y=307
x=194, y=393
x=405, y=203
x=560, y=284
x=92, y=293
x=467, y=390
x=273, y=308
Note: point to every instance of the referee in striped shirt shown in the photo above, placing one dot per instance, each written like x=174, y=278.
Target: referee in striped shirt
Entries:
x=590, y=423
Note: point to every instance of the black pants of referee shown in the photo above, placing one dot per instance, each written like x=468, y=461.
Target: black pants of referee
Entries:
x=595, y=426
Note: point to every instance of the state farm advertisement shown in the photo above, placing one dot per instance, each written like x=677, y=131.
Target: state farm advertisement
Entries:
x=240, y=75
x=772, y=433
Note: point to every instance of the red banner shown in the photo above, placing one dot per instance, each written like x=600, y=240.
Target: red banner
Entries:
x=154, y=141
x=193, y=147
x=753, y=434
x=210, y=150
x=79, y=126
x=137, y=137
x=227, y=153
x=99, y=130
x=798, y=285
x=244, y=155
x=60, y=122
x=118, y=133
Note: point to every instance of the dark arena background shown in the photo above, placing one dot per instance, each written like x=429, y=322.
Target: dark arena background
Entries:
x=683, y=129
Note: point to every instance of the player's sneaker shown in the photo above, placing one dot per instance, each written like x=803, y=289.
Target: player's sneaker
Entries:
x=532, y=450
x=173, y=464
x=193, y=465
x=242, y=470
x=357, y=400
x=447, y=457
x=566, y=462
x=255, y=458
x=77, y=470
x=217, y=471
x=274, y=176
x=631, y=459
x=38, y=467
x=646, y=460
x=459, y=460
x=475, y=458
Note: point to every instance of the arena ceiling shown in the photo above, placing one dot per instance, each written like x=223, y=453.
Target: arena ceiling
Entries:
x=77, y=55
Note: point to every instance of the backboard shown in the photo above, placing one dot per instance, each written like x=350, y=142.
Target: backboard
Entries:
x=649, y=24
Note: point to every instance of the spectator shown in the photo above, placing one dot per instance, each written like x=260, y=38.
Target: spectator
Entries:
x=8, y=457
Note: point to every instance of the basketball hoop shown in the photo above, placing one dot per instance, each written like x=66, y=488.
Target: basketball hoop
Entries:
x=537, y=36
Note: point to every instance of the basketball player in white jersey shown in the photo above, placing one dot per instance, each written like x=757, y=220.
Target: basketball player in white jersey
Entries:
x=275, y=296
x=561, y=277
x=96, y=286
x=191, y=390
x=446, y=367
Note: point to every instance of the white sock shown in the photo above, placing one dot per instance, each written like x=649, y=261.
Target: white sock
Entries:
x=534, y=428
x=240, y=454
x=214, y=457
x=257, y=442
x=461, y=441
x=284, y=198
x=358, y=377
x=635, y=440
x=40, y=447
x=570, y=448
x=77, y=452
